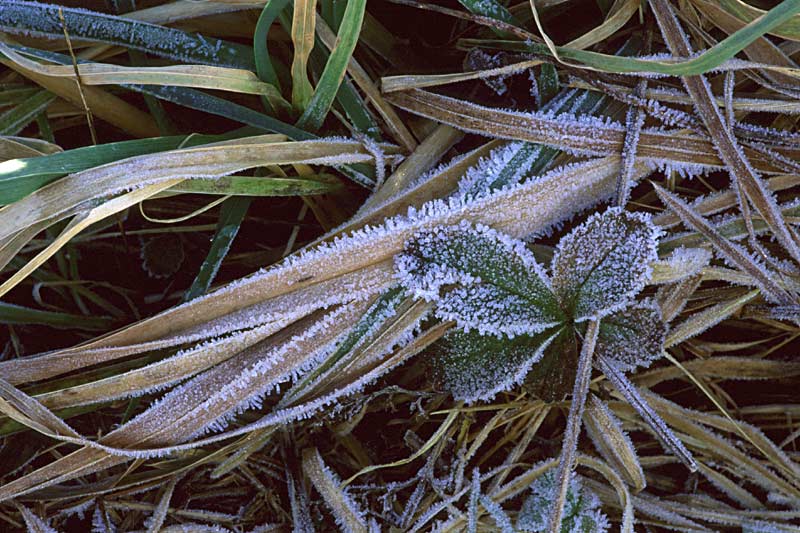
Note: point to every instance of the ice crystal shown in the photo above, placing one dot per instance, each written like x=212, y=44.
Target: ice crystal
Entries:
x=101, y=522
x=501, y=519
x=603, y=263
x=686, y=262
x=477, y=59
x=34, y=522
x=582, y=512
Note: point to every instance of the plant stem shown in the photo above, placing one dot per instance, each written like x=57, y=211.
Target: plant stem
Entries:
x=572, y=431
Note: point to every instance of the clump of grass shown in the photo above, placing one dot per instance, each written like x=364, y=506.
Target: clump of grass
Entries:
x=305, y=266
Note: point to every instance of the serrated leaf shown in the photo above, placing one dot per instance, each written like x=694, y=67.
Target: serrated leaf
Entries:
x=476, y=367
x=604, y=262
x=501, y=290
x=553, y=376
x=633, y=336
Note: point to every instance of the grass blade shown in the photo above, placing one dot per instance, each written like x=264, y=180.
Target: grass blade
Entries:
x=333, y=74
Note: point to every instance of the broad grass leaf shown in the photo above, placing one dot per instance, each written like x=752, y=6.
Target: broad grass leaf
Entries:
x=604, y=262
x=501, y=288
x=633, y=336
x=476, y=367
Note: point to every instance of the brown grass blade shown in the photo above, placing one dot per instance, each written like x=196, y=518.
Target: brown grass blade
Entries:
x=595, y=138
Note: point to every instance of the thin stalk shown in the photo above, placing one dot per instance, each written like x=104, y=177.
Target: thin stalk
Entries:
x=572, y=431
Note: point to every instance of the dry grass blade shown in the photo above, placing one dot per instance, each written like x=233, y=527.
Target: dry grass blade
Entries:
x=104, y=105
x=271, y=315
x=593, y=137
x=303, y=21
x=348, y=516
x=614, y=445
x=199, y=76
x=751, y=187
x=733, y=252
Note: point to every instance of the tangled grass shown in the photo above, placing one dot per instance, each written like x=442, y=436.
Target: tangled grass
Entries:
x=309, y=266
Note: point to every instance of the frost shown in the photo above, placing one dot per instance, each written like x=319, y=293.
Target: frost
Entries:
x=501, y=519
x=472, y=507
x=632, y=395
x=632, y=337
x=101, y=522
x=33, y=521
x=42, y=20
x=685, y=262
x=582, y=512
x=603, y=263
x=345, y=510
x=502, y=289
x=506, y=165
x=476, y=367
x=477, y=59
x=298, y=500
x=760, y=526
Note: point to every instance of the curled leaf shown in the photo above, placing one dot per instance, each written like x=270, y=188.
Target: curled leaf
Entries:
x=603, y=263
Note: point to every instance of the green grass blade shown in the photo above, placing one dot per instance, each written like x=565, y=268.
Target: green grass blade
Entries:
x=17, y=314
x=260, y=186
x=230, y=219
x=16, y=118
x=491, y=9
x=32, y=18
x=264, y=69
x=20, y=177
x=334, y=71
x=705, y=62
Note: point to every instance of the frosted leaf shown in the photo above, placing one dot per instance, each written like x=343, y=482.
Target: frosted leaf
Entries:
x=101, y=522
x=603, y=263
x=501, y=519
x=34, y=522
x=553, y=377
x=632, y=337
x=476, y=367
x=502, y=289
x=43, y=20
x=682, y=263
x=582, y=512
x=760, y=526
x=507, y=165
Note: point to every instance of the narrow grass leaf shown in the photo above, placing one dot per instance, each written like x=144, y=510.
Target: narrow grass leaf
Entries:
x=231, y=217
x=19, y=315
x=32, y=18
x=732, y=251
x=15, y=119
x=303, y=19
x=331, y=77
x=346, y=512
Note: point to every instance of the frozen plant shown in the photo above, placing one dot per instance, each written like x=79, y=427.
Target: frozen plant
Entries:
x=518, y=323
x=582, y=512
